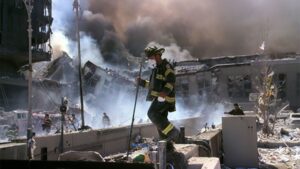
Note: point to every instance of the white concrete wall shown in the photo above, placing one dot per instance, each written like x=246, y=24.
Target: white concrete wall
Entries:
x=104, y=141
x=15, y=151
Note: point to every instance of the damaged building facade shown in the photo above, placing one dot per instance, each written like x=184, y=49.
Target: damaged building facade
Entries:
x=221, y=79
x=14, y=47
x=234, y=78
x=104, y=82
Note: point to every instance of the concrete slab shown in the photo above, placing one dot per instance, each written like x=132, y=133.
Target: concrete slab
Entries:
x=204, y=163
x=13, y=151
x=211, y=140
x=189, y=150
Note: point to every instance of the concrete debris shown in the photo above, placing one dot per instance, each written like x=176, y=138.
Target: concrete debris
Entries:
x=140, y=151
x=282, y=149
x=283, y=155
x=120, y=157
x=284, y=132
x=81, y=156
x=177, y=155
x=204, y=162
x=281, y=134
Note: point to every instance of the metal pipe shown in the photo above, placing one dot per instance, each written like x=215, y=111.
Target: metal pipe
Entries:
x=76, y=6
x=133, y=114
x=29, y=8
x=63, y=111
x=154, y=159
x=61, y=144
x=162, y=154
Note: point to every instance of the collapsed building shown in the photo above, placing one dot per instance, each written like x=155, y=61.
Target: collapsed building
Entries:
x=14, y=47
x=103, y=79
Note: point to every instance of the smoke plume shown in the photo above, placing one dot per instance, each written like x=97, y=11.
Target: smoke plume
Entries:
x=205, y=28
x=64, y=35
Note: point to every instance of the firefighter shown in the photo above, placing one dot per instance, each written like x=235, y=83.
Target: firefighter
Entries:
x=31, y=147
x=105, y=120
x=236, y=111
x=161, y=92
x=47, y=123
x=73, y=122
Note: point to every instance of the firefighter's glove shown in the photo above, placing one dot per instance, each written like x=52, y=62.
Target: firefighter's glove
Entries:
x=161, y=99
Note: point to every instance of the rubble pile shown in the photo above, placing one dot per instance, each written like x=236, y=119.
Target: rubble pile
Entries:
x=140, y=151
x=146, y=151
x=282, y=136
x=282, y=148
x=287, y=157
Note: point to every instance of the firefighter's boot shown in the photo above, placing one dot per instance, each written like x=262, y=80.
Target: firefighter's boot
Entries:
x=173, y=135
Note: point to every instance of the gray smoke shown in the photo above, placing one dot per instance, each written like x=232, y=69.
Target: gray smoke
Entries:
x=205, y=28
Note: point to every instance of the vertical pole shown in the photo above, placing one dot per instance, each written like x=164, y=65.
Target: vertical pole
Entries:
x=61, y=145
x=76, y=6
x=29, y=7
x=182, y=135
x=63, y=110
x=134, y=107
x=162, y=154
x=154, y=158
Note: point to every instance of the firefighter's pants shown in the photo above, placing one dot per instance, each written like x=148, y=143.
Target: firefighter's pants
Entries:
x=158, y=114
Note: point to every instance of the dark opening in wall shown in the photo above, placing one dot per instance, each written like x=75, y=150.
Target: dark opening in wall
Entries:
x=298, y=84
x=239, y=86
x=280, y=81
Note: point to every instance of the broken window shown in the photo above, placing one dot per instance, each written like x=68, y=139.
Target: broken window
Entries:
x=247, y=85
x=203, y=86
x=239, y=86
x=182, y=87
x=280, y=81
x=19, y=116
x=185, y=89
x=298, y=84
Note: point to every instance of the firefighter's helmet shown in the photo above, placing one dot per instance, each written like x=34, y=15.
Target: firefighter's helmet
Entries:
x=149, y=51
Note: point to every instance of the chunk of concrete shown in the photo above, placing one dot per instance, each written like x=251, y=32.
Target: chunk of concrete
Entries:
x=80, y=156
x=204, y=163
x=210, y=143
x=189, y=150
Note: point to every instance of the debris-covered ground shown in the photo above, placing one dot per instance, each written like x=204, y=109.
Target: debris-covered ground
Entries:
x=280, y=150
x=282, y=157
x=146, y=151
x=282, y=133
